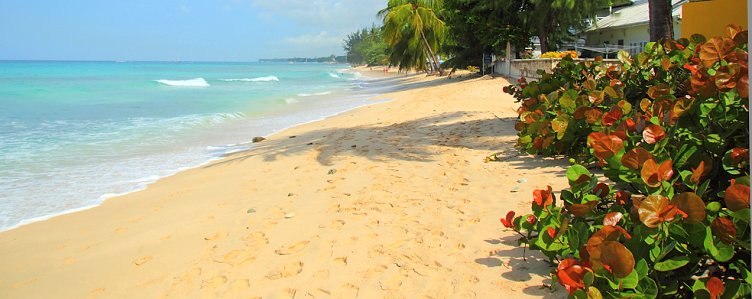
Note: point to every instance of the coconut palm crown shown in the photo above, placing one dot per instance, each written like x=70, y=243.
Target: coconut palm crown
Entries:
x=414, y=32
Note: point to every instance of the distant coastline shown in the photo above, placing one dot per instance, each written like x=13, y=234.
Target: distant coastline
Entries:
x=328, y=59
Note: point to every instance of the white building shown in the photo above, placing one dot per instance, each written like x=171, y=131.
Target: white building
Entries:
x=626, y=28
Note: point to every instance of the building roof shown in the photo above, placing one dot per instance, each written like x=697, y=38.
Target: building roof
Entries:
x=636, y=14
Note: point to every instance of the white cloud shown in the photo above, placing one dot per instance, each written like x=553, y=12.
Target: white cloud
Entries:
x=313, y=40
x=323, y=23
x=332, y=14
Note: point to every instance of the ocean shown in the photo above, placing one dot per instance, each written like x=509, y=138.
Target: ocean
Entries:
x=75, y=133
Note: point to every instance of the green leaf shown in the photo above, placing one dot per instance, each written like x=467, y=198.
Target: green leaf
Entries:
x=641, y=267
x=713, y=207
x=672, y=263
x=629, y=282
x=575, y=172
x=648, y=287
x=685, y=153
x=741, y=215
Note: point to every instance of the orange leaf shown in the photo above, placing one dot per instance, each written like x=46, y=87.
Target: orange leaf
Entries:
x=715, y=50
x=634, y=158
x=724, y=229
x=737, y=197
x=655, y=210
x=698, y=173
x=739, y=155
x=645, y=105
x=593, y=115
x=653, y=133
x=618, y=258
x=543, y=198
x=621, y=197
x=680, y=108
x=742, y=86
x=571, y=274
x=581, y=210
x=692, y=205
x=715, y=287
x=659, y=90
x=607, y=146
x=580, y=112
x=612, y=218
x=653, y=174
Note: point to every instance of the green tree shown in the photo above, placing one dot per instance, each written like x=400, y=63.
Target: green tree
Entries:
x=366, y=46
x=555, y=21
x=480, y=26
x=414, y=32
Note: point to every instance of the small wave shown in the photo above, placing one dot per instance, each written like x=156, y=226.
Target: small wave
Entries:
x=259, y=79
x=333, y=75
x=314, y=94
x=198, y=82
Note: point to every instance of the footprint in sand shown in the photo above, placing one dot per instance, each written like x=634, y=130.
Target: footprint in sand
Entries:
x=214, y=283
x=142, y=260
x=284, y=271
x=237, y=258
x=292, y=249
x=319, y=293
x=347, y=290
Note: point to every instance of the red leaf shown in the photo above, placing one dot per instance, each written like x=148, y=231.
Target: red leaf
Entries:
x=724, y=229
x=601, y=190
x=551, y=232
x=508, y=221
x=739, y=155
x=715, y=287
x=737, y=197
x=612, y=116
x=531, y=219
x=653, y=133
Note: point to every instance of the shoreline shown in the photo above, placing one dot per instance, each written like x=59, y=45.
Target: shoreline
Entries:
x=149, y=179
x=329, y=181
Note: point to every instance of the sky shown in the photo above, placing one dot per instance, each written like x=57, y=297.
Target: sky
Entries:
x=184, y=30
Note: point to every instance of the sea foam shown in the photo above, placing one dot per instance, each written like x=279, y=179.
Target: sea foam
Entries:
x=198, y=82
x=259, y=79
x=314, y=94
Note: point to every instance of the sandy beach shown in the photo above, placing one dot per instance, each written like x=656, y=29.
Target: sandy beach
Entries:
x=391, y=200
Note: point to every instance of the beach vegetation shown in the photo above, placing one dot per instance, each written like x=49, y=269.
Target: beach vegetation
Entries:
x=414, y=33
x=669, y=129
x=366, y=46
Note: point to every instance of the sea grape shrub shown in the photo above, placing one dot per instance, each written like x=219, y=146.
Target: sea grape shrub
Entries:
x=669, y=130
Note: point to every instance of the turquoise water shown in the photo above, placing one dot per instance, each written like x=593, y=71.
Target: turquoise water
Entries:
x=75, y=133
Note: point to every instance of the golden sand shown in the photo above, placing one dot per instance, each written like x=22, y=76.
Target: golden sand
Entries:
x=389, y=200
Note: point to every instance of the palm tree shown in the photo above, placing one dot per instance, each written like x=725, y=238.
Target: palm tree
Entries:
x=413, y=32
x=661, y=20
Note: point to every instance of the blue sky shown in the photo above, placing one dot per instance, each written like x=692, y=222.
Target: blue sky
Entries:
x=209, y=30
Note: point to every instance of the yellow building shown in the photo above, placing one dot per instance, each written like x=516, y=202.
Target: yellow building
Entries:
x=711, y=17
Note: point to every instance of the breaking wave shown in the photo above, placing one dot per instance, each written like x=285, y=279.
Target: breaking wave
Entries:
x=198, y=82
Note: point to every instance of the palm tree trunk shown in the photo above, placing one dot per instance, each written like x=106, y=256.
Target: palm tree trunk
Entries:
x=661, y=21
x=433, y=56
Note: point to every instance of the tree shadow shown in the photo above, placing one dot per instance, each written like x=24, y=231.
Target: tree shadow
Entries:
x=523, y=265
x=414, y=140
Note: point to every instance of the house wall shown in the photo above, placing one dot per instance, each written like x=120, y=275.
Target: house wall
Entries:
x=528, y=68
x=710, y=18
